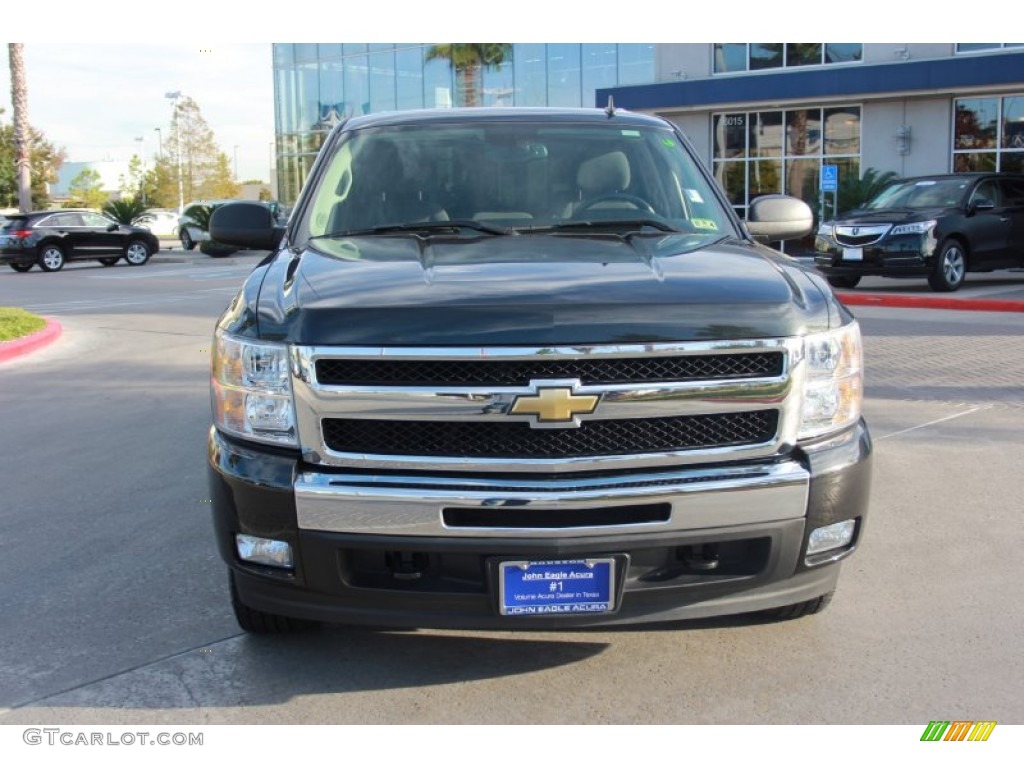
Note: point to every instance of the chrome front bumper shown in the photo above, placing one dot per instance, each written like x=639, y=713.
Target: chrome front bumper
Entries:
x=407, y=505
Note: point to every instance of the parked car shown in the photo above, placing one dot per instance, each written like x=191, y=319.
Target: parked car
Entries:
x=938, y=227
x=194, y=222
x=162, y=222
x=52, y=238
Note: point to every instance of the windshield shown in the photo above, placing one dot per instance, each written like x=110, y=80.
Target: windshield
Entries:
x=513, y=177
x=921, y=193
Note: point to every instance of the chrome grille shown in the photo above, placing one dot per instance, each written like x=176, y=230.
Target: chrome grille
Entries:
x=492, y=373
x=506, y=440
x=459, y=408
x=860, y=236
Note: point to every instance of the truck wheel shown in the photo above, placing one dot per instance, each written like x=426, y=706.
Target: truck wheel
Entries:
x=806, y=608
x=260, y=623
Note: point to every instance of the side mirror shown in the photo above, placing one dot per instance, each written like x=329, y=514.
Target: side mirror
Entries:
x=980, y=204
x=779, y=217
x=247, y=225
x=113, y=227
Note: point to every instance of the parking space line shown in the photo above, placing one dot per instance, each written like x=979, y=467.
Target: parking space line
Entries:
x=935, y=421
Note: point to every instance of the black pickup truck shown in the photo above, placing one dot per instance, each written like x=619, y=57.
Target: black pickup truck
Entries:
x=525, y=368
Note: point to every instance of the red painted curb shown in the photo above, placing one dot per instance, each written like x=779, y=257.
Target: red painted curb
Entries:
x=930, y=302
x=30, y=343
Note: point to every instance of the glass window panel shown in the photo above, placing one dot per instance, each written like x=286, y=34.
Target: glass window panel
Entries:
x=564, y=75
x=765, y=134
x=351, y=48
x=964, y=47
x=332, y=93
x=1013, y=122
x=382, y=80
x=803, y=132
x=836, y=53
x=599, y=70
x=499, y=85
x=287, y=101
x=357, y=85
x=730, y=132
x=437, y=84
x=284, y=53
x=328, y=51
x=409, y=78
x=730, y=57
x=974, y=161
x=765, y=55
x=842, y=131
x=1011, y=162
x=305, y=52
x=803, y=54
x=381, y=47
x=530, y=68
x=765, y=177
x=732, y=177
x=636, y=63
x=975, y=123
x=802, y=176
x=308, y=96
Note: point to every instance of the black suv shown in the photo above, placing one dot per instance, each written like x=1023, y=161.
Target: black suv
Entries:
x=939, y=227
x=52, y=238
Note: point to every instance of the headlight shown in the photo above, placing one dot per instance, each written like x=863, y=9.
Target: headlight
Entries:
x=251, y=389
x=833, y=387
x=917, y=228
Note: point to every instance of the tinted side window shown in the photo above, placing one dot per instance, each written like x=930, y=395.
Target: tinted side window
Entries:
x=987, y=190
x=1013, y=192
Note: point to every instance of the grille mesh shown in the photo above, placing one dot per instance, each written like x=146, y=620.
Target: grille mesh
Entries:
x=516, y=440
x=482, y=373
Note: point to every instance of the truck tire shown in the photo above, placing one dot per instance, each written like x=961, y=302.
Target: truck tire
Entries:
x=260, y=623
x=797, y=610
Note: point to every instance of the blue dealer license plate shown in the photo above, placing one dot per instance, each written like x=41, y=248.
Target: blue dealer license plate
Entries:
x=556, y=587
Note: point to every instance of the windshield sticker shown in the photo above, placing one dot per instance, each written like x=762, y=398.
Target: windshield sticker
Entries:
x=631, y=133
x=694, y=196
x=924, y=183
x=704, y=224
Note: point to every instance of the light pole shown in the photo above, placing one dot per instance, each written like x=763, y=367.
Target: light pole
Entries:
x=236, y=163
x=174, y=96
x=142, y=154
x=160, y=143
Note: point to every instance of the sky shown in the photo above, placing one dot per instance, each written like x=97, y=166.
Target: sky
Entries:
x=95, y=95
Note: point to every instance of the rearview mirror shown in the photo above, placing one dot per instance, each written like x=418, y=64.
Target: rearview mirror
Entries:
x=779, y=217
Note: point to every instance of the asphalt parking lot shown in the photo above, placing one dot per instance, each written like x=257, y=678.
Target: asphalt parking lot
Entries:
x=115, y=603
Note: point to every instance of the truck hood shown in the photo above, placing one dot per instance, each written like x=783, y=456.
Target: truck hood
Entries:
x=536, y=289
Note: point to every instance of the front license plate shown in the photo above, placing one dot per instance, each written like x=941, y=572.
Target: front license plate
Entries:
x=556, y=587
x=853, y=254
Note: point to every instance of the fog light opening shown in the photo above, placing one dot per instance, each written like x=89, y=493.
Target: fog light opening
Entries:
x=253, y=549
x=831, y=537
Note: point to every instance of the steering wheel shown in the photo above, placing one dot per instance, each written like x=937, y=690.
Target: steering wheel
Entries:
x=637, y=202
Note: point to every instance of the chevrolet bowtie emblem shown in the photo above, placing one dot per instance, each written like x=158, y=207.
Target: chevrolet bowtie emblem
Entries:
x=554, y=405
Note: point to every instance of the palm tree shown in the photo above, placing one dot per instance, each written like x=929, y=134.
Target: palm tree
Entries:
x=125, y=211
x=468, y=60
x=22, y=133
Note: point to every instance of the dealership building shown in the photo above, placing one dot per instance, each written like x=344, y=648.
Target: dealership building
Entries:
x=764, y=117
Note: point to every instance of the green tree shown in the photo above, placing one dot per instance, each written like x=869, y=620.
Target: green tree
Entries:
x=468, y=60
x=45, y=160
x=191, y=146
x=86, y=190
x=139, y=183
x=854, y=192
x=125, y=211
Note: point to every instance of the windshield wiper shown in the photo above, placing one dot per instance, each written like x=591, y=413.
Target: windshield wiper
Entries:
x=451, y=225
x=613, y=224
